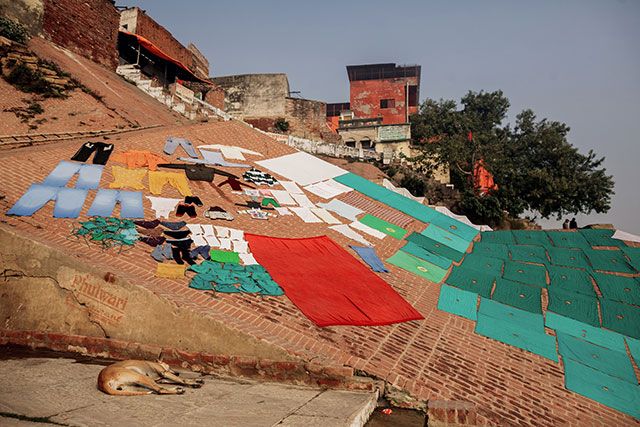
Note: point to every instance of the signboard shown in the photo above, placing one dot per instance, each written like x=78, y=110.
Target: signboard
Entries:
x=393, y=133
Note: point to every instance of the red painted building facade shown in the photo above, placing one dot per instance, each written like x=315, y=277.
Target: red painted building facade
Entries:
x=384, y=90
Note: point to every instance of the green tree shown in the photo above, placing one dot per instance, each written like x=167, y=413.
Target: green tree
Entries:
x=533, y=164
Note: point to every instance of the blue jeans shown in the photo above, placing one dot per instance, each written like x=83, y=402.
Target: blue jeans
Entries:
x=105, y=201
x=69, y=201
x=172, y=143
x=88, y=175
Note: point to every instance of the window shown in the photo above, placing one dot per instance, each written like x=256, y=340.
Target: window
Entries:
x=351, y=143
x=387, y=103
x=366, y=144
x=413, y=96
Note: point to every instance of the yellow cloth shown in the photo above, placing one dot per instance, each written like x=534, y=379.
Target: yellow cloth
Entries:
x=177, y=180
x=127, y=178
x=171, y=271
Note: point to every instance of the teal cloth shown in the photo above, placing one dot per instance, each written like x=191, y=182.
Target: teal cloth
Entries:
x=445, y=237
x=598, y=237
x=621, y=318
x=576, y=306
x=634, y=255
x=504, y=237
x=518, y=295
x=605, y=260
x=530, y=274
x=269, y=287
x=408, y=206
x=492, y=250
x=568, y=239
x=255, y=268
x=515, y=327
x=418, y=266
x=248, y=285
x=568, y=258
x=383, y=226
x=596, y=335
x=471, y=280
x=458, y=302
x=531, y=321
x=517, y=336
x=422, y=253
x=602, y=359
x=201, y=281
x=205, y=266
x=619, y=288
x=571, y=280
x=227, y=288
x=610, y=391
x=531, y=237
x=215, y=276
x=482, y=263
x=535, y=254
x=435, y=247
x=634, y=348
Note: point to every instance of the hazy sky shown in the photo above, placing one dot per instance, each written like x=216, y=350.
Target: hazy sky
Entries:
x=573, y=61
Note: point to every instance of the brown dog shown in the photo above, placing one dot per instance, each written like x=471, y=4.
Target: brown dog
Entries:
x=132, y=377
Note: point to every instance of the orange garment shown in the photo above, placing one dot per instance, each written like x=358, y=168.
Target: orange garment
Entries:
x=483, y=179
x=139, y=159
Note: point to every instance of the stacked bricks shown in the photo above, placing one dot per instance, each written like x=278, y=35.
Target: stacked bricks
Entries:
x=87, y=27
x=442, y=413
x=326, y=376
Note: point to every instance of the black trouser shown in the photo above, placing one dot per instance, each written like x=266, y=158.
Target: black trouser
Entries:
x=180, y=251
x=103, y=151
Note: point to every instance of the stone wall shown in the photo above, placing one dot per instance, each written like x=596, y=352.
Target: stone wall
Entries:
x=254, y=95
x=307, y=118
x=87, y=27
x=27, y=12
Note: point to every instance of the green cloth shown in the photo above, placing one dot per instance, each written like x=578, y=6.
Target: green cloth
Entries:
x=602, y=359
x=445, y=237
x=621, y=318
x=269, y=201
x=485, y=264
x=571, y=280
x=605, y=260
x=531, y=237
x=569, y=258
x=471, y=280
x=634, y=348
x=408, y=206
x=535, y=254
x=576, y=306
x=504, y=237
x=532, y=321
x=518, y=295
x=458, y=302
x=568, y=239
x=417, y=266
x=598, y=237
x=492, y=250
x=619, y=288
x=435, y=247
x=525, y=273
x=384, y=226
x=610, y=391
x=224, y=256
x=634, y=255
x=422, y=253
x=515, y=327
x=517, y=336
x=596, y=335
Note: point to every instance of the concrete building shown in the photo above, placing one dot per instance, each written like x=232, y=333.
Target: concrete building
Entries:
x=263, y=99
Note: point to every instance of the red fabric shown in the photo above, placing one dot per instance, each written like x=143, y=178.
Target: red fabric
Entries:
x=328, y=284
x=160, y=54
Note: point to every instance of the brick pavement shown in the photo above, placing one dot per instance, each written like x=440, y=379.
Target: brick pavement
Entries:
x=439, y=358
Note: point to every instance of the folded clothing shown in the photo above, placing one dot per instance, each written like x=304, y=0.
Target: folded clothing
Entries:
x=186, y=209
x=192, y=200
x=173, y=225
x=147, y=224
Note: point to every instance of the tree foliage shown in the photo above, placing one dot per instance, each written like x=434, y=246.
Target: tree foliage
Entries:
x=534, y=167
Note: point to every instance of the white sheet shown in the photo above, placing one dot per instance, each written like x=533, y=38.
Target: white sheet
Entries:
x=344, y=229
x=225, y=244
x=325, y=190
x=283, y=211
x=291, y=187
x=240, y=246
x=212, y=241
x=370, y=231
x=230, y=151
x=302, y=168
x=283, y=197
x=247, y=259
x=222, y=232
x=236, y=234
x=400, y=190
x=623, y=235
x=324, y=215
x=305, y=214
x=303, y=200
